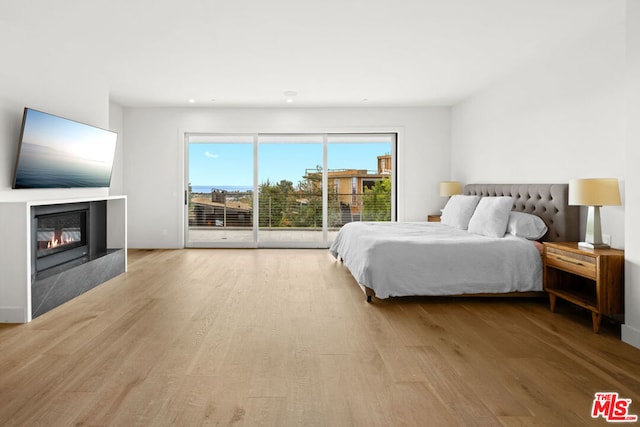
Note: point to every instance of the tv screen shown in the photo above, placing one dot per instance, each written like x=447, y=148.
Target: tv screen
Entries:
x=55, y=152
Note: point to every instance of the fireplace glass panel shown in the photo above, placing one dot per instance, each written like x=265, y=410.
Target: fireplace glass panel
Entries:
x=60, y=232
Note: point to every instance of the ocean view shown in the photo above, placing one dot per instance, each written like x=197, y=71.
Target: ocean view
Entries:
x=230, y=188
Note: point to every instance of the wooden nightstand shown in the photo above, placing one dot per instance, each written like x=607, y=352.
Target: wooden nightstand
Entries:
x=433, y=218
x=590, y=278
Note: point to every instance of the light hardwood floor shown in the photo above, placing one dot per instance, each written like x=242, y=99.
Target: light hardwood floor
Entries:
x=286, y=338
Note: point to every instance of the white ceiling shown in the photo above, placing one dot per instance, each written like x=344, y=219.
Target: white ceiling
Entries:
x=331, y=52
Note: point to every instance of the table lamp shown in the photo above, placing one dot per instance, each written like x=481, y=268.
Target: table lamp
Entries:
x=594, y=193
x=450, y=188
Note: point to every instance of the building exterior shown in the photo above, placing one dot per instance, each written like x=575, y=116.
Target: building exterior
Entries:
x=348, y=185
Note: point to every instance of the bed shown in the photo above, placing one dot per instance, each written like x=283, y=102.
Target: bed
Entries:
x=393, y=259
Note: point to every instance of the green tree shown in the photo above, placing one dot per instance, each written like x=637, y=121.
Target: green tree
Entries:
x=377, y=201
x=309, y=211
x=276, y=204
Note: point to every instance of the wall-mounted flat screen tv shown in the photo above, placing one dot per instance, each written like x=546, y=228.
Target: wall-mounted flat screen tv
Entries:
x=55, y=152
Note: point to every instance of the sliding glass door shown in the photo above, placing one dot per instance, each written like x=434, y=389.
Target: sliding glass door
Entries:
x=220, y=192
x=360, y=171
x=290, y=192
x=285, y=190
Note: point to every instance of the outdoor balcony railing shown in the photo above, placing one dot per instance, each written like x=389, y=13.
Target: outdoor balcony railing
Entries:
x=235, y=209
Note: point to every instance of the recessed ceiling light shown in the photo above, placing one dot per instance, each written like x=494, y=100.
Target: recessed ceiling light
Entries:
x=191, y=100
x=365, y=100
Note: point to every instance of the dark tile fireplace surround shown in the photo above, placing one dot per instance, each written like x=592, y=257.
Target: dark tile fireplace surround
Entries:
x=69, y=253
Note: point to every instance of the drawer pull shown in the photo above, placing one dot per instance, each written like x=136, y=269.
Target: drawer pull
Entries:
x=570, y=261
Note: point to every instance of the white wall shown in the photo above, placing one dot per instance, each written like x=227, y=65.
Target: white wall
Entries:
x=116, y=124
x=570, y=116
x=154, y=156
x=34, y=74
x=558, y=119
x=631, y=328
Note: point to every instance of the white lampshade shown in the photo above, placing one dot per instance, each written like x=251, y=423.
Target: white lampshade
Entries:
x=594, y=192
x=450, y=188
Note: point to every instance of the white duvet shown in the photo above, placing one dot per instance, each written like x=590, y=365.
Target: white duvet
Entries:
x=429, y=258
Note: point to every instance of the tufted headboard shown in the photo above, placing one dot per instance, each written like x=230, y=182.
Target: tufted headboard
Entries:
x=548, y=201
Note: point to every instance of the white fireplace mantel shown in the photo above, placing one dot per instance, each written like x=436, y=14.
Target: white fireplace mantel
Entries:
x=15, y=250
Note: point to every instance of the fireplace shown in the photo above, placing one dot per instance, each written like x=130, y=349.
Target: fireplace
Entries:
x=69, y=253
x=60, y=236
x=25, y=292
x=67, y=232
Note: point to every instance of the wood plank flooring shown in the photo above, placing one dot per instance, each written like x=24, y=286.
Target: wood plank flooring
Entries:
x=286, y=338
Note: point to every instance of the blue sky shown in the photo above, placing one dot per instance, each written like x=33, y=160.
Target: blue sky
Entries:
x=232, y=164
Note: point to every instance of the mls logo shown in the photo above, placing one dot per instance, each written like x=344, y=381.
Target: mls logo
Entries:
x=612, y=408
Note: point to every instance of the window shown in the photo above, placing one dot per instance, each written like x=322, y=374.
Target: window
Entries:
x=286, y=190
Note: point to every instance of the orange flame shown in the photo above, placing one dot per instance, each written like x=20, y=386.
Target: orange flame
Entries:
x=54, y=243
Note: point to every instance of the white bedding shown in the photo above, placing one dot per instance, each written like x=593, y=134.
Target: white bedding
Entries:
x=429, y=258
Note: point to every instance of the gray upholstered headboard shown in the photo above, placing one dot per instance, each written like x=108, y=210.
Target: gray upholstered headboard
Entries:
x=548, y=201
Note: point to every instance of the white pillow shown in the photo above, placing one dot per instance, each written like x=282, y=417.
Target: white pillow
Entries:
x=526, y=225
x=491, y=216
x=458, y=211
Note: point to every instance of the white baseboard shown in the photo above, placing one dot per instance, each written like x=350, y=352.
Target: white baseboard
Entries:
x=13, y=315
x=631, y=335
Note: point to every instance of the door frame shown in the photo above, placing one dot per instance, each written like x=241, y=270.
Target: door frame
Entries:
x=184, y=162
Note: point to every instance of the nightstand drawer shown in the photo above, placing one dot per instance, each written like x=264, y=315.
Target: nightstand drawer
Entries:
x=433, y=218
x=582, y=265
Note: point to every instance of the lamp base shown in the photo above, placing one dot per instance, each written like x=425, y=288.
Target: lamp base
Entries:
x=593, y=245
x=593, y=235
